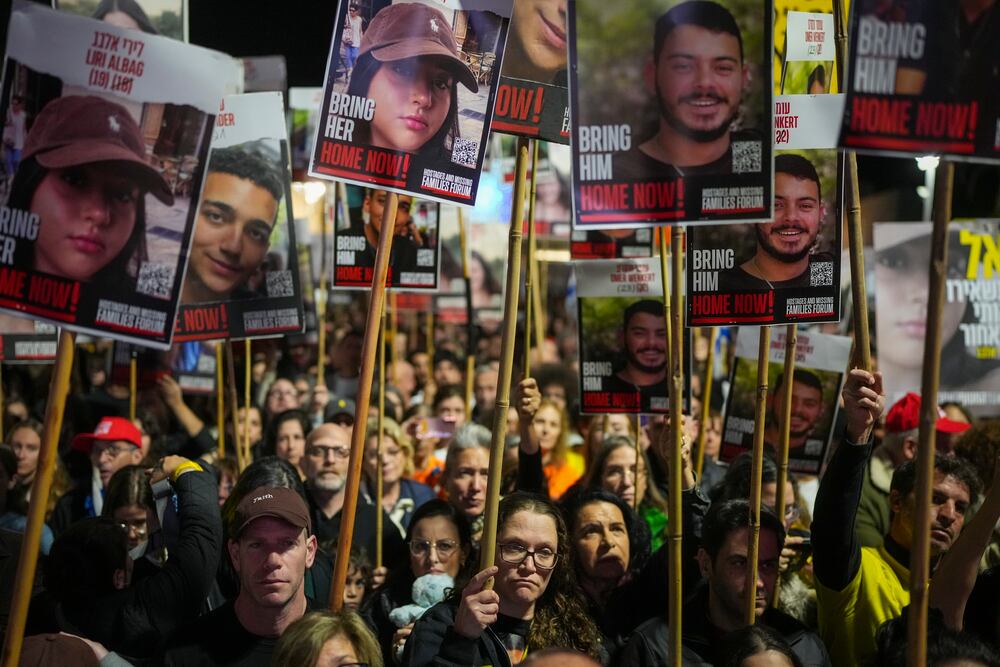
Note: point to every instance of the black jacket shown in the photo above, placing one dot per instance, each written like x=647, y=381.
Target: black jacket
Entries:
x=435, y=642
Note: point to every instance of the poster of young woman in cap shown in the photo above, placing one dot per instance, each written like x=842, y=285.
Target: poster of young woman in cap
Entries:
x=243, y=277
x=970, y=320
x=623, y=337
x=409, y=97
x=101, y=204
x=415, y=253
x=25, y=340
x=156, y=17
x=820, y=368
x=671, y=111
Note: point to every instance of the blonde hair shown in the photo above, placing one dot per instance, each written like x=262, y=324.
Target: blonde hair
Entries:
x=561, y=448
x=303, y=641
x=392, y=430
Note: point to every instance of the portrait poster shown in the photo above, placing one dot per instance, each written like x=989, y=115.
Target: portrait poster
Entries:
x=820, y=368
x=786, y=269
x=191, y=364
x=623, y=338
x=533, y=99
x=653, y=143
x=409, y=95
x=553, y=192
x=611, y=243
x=105, y=171
x=924, y=78
x=24, y=340
x=264, y=74
x=488, y=244
x=970, y=320
x=155, y=17
x=414, y=257
x=304, y=113
x=243, y=277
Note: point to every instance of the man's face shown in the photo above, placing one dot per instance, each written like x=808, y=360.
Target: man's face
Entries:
x=326, y=460
x=466, y=482
x=485, y=387
x=807, y=408
x=232, y=234
x=374, y=206
x=727, y=575
x=446, y=372
x=646, y=342
x=949, y=502
x=111, y=456
x=798, y=212
x=271, y=557
x=698, y=79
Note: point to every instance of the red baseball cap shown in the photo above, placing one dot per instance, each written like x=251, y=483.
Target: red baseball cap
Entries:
x=904, y=415
x=109, y=429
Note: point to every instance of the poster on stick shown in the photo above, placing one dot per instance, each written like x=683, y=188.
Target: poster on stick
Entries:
x=26, y=340
x=924, y=78
x=820, y=369
x=610, y=243
x=654, y=141
x=970, y=320
x=409, y=96
x=106, y=169
x=243, y=277
x=155, y=17
x=623, y=338
x=191, y=365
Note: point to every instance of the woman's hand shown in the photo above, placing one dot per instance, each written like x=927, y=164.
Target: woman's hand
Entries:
x=479, y=607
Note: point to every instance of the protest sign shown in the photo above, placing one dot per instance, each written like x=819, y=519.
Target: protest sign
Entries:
x=265, y=74
x=924, y=78
x=99, y=211
x=304, y=109
x=820, y=368
x=374, y=132
x=487, y=268
x=623, y=337
x=970, y=321
x=243, y=276
x=415, y=254
x=191, y=364
x=611, y=244
x=24, y=340
x=155, y=17
x=652, y=142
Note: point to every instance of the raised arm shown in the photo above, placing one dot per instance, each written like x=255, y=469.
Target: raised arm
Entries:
x=530, y=473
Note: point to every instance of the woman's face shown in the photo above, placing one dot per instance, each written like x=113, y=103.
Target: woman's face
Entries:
x=618, y=425
x=26, y=443
x=601, y=541
x=477, y=274
x=446, y=556
x=539, y=28
x=547, y=425
x=713, y=437
x=452, y=410
x=524, y=583
x=291, y=442
x=135, y=519
x=393, y=459
x=337, y=651
x=87, y=215
x=256, y=430
x=412, y=99
x=621, y=477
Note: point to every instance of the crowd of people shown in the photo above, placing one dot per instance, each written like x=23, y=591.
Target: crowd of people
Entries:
x=158, y=550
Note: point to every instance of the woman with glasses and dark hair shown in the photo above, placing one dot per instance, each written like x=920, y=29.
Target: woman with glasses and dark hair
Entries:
x=534, y=604
x=323, y=639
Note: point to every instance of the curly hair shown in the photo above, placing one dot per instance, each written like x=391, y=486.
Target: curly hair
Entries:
x=979, y=446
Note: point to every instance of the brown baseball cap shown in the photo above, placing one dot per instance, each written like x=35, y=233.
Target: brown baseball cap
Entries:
x=409, y=30
x=56, y=650
x=273, y=501
x=80, y=129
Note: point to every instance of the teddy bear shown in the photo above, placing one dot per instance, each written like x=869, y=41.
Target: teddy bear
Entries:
x=427, y=591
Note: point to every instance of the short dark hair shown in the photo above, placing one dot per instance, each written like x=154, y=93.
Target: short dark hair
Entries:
x=798, y=167
x=802, y=376
x=83, y=560
x=736, y=482
x=905, y=478
x=648, y=306
x=447, y=391
x=730, y=515
x=702, y=13
x=250, y=165
x=753, y=640
x=449, y=356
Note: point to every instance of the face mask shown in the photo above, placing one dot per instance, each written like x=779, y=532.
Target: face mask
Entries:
x=138, y=551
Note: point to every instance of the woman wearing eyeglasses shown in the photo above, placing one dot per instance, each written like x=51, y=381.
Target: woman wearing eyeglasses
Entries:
x=534, y=604
x=401, y=496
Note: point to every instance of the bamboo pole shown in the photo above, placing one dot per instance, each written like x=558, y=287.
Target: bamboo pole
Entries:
x=530, y=283
x=489, y=541
x=429, y=349
x=920, y=555
x=321, y=295
x=376, y=302
x=756, y=472
x=241, y=462
x=247, y=378
x=706, y=401
x=664, y=272
x=788, y=380
x=379, y=481
x=470, y=325
x=676, y=513
x=220, y=401
x=27, y=562
x=393, y=319
x=133, y=372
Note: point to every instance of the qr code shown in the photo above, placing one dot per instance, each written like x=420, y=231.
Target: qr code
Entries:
x=155, y=280
x=465, y=152
x=279, y=283
x=821, y=274
x=746, y=157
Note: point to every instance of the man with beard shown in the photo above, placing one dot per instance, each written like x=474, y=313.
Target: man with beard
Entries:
x=698, y=75
x=783, y=255
x=807, y=409
x=644, y=339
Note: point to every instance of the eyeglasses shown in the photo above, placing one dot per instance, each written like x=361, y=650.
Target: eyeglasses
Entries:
x=321, y=452
x=515, y=554
x=791, y=512
x=277, y=393
x=139, y=527
x=445, y=548
x=115, y=451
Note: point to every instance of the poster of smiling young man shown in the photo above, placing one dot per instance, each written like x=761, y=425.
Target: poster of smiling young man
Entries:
x=671, y=111
x=100, y=199
x=820, y=368
x=243, y=276
x=409, y=96
x=924, y=78
x=623, y=338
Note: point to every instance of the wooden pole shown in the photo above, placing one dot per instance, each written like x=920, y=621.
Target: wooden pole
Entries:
x=664, y=272
x=530, y=283
x=429, y=348
x=756, y=472
x=470, y=325
x=321, y=295
x=706, y=401
x=241, y=463
x=676, y=513
x=376, y=302
x=220, y=401
x=247, y=378
x=27, y=562
x=488, y=545
x=788, y=379
x=392, y=315
x=379, y=481
x=133, y=372
x=920, y=548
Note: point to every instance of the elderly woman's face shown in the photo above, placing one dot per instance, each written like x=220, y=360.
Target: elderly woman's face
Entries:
x=87, y=214
x=412, y=98
x=601, y=541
